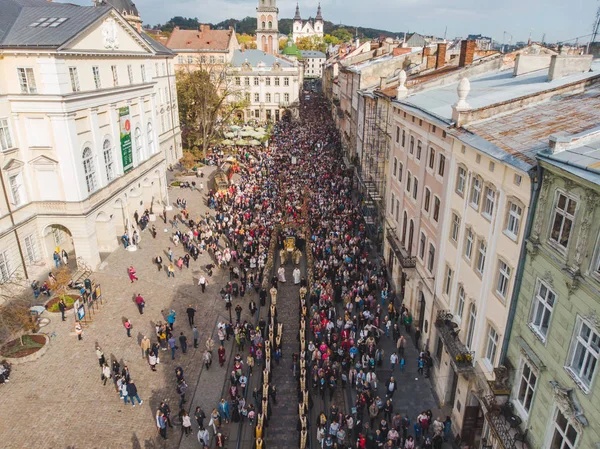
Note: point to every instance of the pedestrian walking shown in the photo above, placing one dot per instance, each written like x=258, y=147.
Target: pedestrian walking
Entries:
x=105, y=374
x=158, y=261
x=131, y=271
x=199, y=416
x=183, y=342
x=128, y=327
x=221, y=353
x=100, y=355
x=181, y=389
x=140, y=302
x=190, y=313
x=161, y=424
x=202, y=283
x=133, y=393
x=78, y=330
x=173, y=345
x=171, y=318
x=186, y=423
x=152, y=360
x=145, y=344
x=62, y=307
x=170, y=270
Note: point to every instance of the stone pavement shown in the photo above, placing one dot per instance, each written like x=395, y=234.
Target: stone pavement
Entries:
x=58, y=400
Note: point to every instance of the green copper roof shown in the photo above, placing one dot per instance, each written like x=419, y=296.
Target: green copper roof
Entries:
x=291, y=49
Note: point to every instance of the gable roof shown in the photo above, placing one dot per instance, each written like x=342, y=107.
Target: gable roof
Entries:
x=159, y=48
x=123, y=6
x=204, y=39
x=18, y=15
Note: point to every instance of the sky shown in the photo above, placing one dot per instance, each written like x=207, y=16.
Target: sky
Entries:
x=560, y=20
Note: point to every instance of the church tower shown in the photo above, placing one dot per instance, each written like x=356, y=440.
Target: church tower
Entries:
x=319, y=23
x=297, y=25
x=267, y=32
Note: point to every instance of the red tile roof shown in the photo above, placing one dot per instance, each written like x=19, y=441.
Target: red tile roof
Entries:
x=204, y=39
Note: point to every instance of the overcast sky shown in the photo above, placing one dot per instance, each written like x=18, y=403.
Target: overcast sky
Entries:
x=561, y=20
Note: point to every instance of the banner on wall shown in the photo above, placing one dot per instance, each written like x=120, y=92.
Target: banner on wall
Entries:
x=125, y=128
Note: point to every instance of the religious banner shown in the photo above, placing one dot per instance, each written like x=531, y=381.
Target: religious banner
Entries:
x=125, y=129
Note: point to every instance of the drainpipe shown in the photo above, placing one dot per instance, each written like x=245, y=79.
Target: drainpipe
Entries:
x=536, y=180
x=12, y=221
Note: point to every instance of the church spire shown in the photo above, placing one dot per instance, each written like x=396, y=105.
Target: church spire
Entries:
x=319, y=16
x=297, y=16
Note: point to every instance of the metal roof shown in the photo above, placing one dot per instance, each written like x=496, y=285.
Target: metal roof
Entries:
x=312, y=54
x=17, y=16
x=255, y=57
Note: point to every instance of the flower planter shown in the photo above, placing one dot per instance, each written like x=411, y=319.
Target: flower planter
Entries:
x=26, y=354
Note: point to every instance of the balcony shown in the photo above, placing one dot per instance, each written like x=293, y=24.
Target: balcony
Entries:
x=404, y=257
x=462, y=358
x=504, y=423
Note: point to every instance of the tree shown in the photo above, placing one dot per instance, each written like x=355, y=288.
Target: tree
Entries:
x=208, y=98
x=15, y=301
x=330, y=40
x=247, y=41
x=342, y=34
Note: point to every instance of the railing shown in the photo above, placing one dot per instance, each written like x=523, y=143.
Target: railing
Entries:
x=462, y=358
x=406, y=260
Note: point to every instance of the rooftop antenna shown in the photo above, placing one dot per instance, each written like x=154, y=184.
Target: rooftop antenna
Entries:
x=595, y=30
x=445, y=32
x=543, y=38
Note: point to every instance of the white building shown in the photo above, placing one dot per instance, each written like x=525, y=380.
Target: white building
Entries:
x=313, y=63
x=269, y=83
x=88, y=125
x=310, y=28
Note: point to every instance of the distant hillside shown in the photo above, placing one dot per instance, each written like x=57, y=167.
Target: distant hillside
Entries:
x=248, y=26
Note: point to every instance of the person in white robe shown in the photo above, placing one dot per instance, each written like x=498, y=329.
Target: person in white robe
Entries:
x=296, y=275
x=281, y=274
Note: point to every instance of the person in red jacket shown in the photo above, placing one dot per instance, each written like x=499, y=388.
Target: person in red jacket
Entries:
x=140, y=303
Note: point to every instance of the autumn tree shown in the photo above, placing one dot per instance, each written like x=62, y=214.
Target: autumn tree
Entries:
x=311, y=43
x=247, y=41
x=15, y=301
x=343, y=35
x=207, y=100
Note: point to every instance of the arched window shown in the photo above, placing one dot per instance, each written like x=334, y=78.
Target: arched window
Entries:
x=138, y=144
x=263, y=25
x=411, y=230
x=150, y=138
x=270, y=25
x=108, y=160
x=89, y=169
x=404, y=224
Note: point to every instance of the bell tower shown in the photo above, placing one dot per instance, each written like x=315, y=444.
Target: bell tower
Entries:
x=267, y=31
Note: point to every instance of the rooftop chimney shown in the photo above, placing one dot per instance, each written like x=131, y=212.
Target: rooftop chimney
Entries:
x=402, y=91
x=440, y=57
x=204, y=28
x=467, y=51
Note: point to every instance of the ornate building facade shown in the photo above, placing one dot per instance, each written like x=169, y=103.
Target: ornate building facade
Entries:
x=267, y=31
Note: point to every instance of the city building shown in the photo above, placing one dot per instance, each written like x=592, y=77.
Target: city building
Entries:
x=313, y=63
x=457, y=200
x=554, y=349
x=267, y=28
x=203, y=46
x=482, y=42
x=270, y=84
x=88, y=126
x=310, y=28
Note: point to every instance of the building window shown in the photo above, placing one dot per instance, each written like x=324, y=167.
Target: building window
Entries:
x=460, y=302
x=202, y=60
x=481, y=257
x=415, y=188
x=408, y=182
x=108, y=160
x=436, y=209
x=564, y=216
x=180, y=59
x=256, y=97
x=455, y=227
x=130, y=73
x=5, y=139
x=441, y=165
x=276, y=98
x=150, y=139
x=411, y=149
x=514, y=220
x=471, y=326
x=503, y=279
x=431, y=258
x=115, y=75
x=246, y=81
x=400, y=166
x=96, y=74
x=277, y=81
x=397, y=134
x=138, y=144
x=448, y=282
x=564, y=435
x=5, y=269
x=286, y=97
x=426, y=199
x=490, y=197
x=469, y=240
x=238, y=81
x=247, y=97
x=256, y=80
x=397, y=208
x=526, y=389
x=286, y=81
x=267, y=81
x=74, y=79
x=431, y=158
x=541, y=313
x=31, y=249
x=27, y=80
x=395, y=167
x=419, y=148
x=17, y=189
x=585, y=352
x=403, y=138
x=268, y=97
x=212, y=59
x=492, y=345
x=461, y=180
x=221, y=59
x=89, y=169
x=475, y=193
x=422, y=245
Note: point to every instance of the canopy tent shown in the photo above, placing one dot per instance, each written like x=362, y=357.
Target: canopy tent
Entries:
x=227, y=142
x=241, y=142
x=254, y=142
x=230, y=135
x=235, y=127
